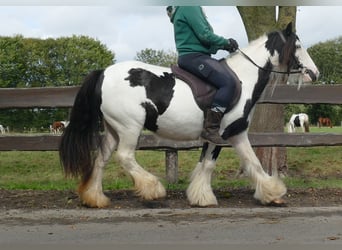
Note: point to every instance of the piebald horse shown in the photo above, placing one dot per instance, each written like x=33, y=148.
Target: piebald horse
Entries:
x=127, y=97
x=299, y=120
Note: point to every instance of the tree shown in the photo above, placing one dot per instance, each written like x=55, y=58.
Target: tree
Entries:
x=328, y=58
x=157, y=57
x=257, y=21
x=12, y=61
x=32, y=62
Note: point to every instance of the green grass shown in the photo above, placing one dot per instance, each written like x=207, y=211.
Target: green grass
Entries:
x=337, y=130
x=317, y=167
x=315, y=129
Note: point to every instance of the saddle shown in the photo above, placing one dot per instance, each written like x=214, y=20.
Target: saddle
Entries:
x=204, y=92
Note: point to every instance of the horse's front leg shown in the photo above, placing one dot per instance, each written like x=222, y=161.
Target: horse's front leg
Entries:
x=268, y=189
x=199, y=192
x=90, y=192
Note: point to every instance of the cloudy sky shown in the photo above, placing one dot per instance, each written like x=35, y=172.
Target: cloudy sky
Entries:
x=127, y=29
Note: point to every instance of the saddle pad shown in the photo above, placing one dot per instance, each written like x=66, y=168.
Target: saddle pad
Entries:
x=204, y=92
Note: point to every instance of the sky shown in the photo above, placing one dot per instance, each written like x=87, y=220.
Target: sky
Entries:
x=127, y=29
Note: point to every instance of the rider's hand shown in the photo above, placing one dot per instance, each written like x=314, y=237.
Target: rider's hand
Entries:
x=232, y=45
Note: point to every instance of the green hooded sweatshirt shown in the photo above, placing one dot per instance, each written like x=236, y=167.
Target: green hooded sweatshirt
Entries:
x=193, y=33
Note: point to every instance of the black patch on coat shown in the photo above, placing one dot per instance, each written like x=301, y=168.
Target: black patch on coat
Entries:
x=151, y=116
x=296, y=121
x=242, y=123
x=215, y=153
x=159, y=89
x=204, y=151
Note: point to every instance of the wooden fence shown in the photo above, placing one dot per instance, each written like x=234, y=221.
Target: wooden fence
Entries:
x=64, y=97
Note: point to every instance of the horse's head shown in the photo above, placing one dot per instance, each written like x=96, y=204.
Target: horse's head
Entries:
x=288, y=55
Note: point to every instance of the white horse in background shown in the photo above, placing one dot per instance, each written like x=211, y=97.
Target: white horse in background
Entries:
x=2, y=129
x=127, y=97
x=299, y=120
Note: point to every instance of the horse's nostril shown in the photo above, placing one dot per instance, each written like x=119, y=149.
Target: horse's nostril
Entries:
x=312, y=75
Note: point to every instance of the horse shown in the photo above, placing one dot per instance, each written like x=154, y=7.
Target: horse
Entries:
x=58, y=127
x=299, y=120
x=324, y=121
x=115, y=104
x=2, y=129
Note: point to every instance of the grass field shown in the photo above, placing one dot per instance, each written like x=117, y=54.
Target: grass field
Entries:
x=308, y=167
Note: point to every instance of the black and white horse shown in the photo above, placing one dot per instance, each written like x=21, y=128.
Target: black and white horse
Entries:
x=127, y=97
x=299, y=120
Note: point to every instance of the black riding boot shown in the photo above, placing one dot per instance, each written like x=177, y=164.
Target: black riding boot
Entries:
x=211, y=127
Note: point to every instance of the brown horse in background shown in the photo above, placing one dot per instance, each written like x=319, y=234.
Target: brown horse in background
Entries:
x=324, y=121
x=57, y=127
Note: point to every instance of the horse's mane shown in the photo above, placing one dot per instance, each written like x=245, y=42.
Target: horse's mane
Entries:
x=285, y=45
x=282, y=42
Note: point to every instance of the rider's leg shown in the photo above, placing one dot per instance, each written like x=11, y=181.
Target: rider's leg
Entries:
x=216, y=74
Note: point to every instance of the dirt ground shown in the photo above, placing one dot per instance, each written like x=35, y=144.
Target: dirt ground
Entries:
x=123, y=199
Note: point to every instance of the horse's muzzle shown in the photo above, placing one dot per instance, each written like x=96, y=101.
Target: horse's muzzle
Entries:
x=310, y=74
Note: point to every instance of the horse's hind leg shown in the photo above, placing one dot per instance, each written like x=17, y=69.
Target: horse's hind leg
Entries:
x=90, y=192
x=268, y=189
x=147, y=186
x=199, y=192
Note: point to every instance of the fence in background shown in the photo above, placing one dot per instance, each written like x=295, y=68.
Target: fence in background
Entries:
x=63, y=97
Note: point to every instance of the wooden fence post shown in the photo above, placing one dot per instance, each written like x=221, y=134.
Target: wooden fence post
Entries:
x=171, y=162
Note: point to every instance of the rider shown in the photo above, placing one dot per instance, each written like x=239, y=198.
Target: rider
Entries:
x=195, y=42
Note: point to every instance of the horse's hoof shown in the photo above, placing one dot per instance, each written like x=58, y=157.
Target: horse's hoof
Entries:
x=278, y=203
x=204, y=206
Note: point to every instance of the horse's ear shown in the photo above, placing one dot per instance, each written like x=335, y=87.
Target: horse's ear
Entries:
x=288, y=30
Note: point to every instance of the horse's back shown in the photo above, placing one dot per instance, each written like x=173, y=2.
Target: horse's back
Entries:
x=150, y=96
x=122, y=68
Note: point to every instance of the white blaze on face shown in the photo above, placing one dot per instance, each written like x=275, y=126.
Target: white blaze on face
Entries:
x=305, y=59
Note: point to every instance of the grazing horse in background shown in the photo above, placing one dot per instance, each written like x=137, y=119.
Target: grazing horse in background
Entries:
x=299, y=120
x=58, y=126
x=127, y=97
x=324, y=121
x=2, y=129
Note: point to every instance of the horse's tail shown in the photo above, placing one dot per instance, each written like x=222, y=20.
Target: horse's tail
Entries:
x=306, y=123
x=82, y=135
x=306, y=126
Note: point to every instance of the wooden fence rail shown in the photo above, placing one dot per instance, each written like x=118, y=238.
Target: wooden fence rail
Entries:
x=150, y=142
x=64, y=97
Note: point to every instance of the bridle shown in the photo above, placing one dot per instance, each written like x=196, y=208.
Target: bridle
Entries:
x=301, y=68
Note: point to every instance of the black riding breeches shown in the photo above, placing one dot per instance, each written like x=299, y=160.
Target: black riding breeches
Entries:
x=210, y=70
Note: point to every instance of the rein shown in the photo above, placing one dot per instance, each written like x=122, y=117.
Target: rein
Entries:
x=269, y=70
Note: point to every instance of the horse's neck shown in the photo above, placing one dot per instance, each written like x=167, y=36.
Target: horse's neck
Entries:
x=246, y=64
x=256, y=51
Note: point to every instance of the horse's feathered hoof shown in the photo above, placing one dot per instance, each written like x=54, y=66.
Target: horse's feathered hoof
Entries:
x=277, y=203
x=206, y=206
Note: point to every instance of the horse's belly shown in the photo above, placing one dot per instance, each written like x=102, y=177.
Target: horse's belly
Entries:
x=182, y=128
x=183, y=119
